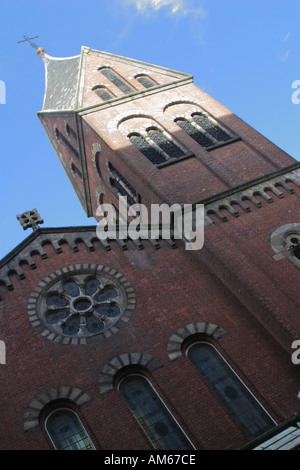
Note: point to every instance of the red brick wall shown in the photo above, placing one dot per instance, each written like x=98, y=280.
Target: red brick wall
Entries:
x=172, y=289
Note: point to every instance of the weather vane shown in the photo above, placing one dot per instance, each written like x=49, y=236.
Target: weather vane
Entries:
x=27, y=39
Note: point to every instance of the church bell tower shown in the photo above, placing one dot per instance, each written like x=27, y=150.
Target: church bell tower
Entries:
x=230, y=310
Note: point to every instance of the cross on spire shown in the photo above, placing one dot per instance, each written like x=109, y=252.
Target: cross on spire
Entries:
x=27, y=39
x=30, y=219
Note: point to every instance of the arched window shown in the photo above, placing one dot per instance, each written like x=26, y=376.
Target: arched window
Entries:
x=296, y=246
x=292, y=241
x=285, y=241
x=168, y=147
x=66, y=431
x=102, y=92
x=117, y=81
x=143, y=145
x=194, y=132
x=76, y=170
x=152, y=415
x=146, y=81
x=204, y=130
x=65, y=141
x=157, y=146
x=235, y=396
x=211, y=127
x=121, y=186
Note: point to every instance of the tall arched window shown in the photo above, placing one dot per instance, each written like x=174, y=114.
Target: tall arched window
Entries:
x=157, y=146
x=113, y=77
x=152, y=415
x=235, y=396
x=66, y=431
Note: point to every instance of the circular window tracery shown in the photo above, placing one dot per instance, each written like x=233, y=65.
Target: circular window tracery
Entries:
x=81, y=305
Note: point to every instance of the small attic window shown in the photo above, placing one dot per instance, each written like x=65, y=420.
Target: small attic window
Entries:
x=145, y=80
x=116, y=80
x=102, y=92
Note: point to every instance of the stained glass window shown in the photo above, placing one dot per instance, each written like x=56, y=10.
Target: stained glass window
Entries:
x=83, y=307
x=235, y=396
x=67, y=432
x=152, y=415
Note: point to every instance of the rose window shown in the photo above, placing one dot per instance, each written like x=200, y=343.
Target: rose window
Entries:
x=82, y=305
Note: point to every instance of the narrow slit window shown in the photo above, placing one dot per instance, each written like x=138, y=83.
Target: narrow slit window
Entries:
x=122, y=186
x=75, y=170
x=65, y=141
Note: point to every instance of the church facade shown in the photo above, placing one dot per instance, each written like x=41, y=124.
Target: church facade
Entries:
x=139, y=343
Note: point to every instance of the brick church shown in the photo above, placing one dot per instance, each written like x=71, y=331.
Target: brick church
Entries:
x=141, y=344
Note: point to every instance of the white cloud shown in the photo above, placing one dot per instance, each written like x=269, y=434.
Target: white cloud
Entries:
x=175, y=7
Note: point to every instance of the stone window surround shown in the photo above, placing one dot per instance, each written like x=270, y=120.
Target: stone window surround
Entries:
x=114, y=366
x=35, y=407
x=174, y=346
x=143, y=132
x=280, y=240
x=188, y=116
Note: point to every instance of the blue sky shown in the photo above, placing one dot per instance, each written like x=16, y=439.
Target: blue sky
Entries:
x=244, y=53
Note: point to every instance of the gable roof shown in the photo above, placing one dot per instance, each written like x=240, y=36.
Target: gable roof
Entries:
x=65, y=77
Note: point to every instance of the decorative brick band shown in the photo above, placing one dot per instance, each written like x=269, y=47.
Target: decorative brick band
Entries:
x=34, y=408
x=13, y=262
x=278, y=186
x=177, y=338
x=106, y=377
